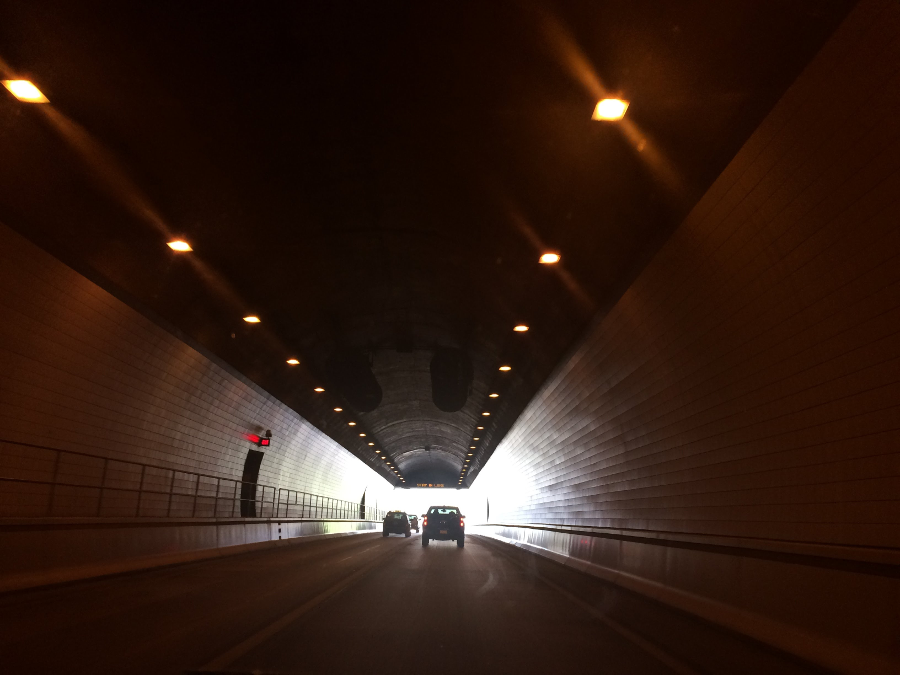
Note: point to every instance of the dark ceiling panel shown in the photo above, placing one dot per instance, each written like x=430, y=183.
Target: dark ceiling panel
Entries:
x=381, y=177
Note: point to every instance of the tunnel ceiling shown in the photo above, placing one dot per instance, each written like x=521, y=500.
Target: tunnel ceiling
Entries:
x=379, y=178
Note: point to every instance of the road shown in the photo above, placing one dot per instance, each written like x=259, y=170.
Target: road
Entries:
x=348, y=605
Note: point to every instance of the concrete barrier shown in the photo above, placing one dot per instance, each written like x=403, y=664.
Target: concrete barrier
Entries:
x=40, y=552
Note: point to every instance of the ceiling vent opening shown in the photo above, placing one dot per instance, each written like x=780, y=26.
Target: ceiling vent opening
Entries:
x=351, y=375
x=451, y=378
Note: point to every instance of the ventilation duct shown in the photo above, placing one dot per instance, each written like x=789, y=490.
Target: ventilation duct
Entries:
x=351, y=375
x=451, y=378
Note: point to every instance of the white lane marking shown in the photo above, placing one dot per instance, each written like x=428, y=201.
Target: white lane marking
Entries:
x=224, y=660
x=672, y=662
x=360, y=553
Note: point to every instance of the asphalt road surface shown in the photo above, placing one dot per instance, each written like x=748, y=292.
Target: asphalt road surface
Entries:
x=359, y=604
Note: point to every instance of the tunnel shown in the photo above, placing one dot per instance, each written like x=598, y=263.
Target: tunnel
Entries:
x=518, y=336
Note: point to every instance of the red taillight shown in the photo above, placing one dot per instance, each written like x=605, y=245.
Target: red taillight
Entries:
x=461, y=523
x=425, y=520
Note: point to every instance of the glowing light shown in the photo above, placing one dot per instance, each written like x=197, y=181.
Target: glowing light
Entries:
x=468, y=460
x=493, y=395
x=471, y=453
x=362, y=435
x=521, y=328
x=251, y=319
x=338, y=410
x=25, y=91
x=476, y=438
x=318, y=390
x=505, y=369
x=479, y=427
x=180, y=246
x=486, y=414
x=471, y=447
x=351, y=424
x=549, y=259
x=610, y=109
x=383, y=457
x=371, y=444
x=293, y=362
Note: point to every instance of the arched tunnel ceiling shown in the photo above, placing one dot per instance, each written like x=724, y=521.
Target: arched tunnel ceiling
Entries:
x=382, y=176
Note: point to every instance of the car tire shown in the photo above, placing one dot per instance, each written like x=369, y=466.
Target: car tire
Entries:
x=424, y=540
x=384, y=534
x=460, y=542
x=407, y=534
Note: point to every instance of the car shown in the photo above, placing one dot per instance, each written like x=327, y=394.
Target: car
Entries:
x=444, y=523
x=414, y=521
x=395, y=522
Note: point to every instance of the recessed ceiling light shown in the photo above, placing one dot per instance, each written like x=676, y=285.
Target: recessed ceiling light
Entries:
x=610, y=109
x=549, y=258
x=479, y=427
x=476, y=438
x=521, y=328
x=293, y=362
x=505, y=369
x=318, y=390
x=180, y=246
x=362, y=435
x=371, y=444
x=352, y=424
x=25, y=91
x=468, y=460
x=471, y=453
x=383, y=457
x=338, y=410
x=471, y=447
x=486, y=414
x=251, y=319
x=493, y=395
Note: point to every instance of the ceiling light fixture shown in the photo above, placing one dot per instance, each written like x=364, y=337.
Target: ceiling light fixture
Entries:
x=371, y=444
x=318, y=390
x=471, y=447
x=468, y=460
x=476, y=438
x=251, y=319
x=471, y=453
x=362, y=435
x=180, y=246
x=549, y=259
x=610, y=109
x=521, y=328
x=338, y=410
x=486, y=414
x=506, y=369
x=494, y=396
x=25, y=91
x=479, y=427
x=351, y=424
x=293, y=362
x=383, y=457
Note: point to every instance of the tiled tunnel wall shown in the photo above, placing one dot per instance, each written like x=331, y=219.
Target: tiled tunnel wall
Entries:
x=746, y=387
x=82, y=371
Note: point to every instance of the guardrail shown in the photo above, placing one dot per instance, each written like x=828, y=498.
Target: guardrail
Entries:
x=37, y=481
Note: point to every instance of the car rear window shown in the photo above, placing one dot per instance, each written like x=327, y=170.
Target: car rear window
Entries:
x=444, y=510
x=397, y=515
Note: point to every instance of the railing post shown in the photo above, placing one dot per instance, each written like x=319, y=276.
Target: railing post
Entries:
x=102, y=483
x=234, y=498
x=53, y=483
x=278, y=506
x=196, y=492
x=171, y=490
x=216, y=501
x=137, y=511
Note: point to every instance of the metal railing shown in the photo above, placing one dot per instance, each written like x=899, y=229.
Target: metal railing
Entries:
x=38, y=481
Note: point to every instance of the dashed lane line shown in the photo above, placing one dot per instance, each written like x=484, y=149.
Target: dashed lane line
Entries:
x=239, y=650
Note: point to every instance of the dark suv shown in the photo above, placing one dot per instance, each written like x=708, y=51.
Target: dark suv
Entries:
x=444, y=523
x=396, y=522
